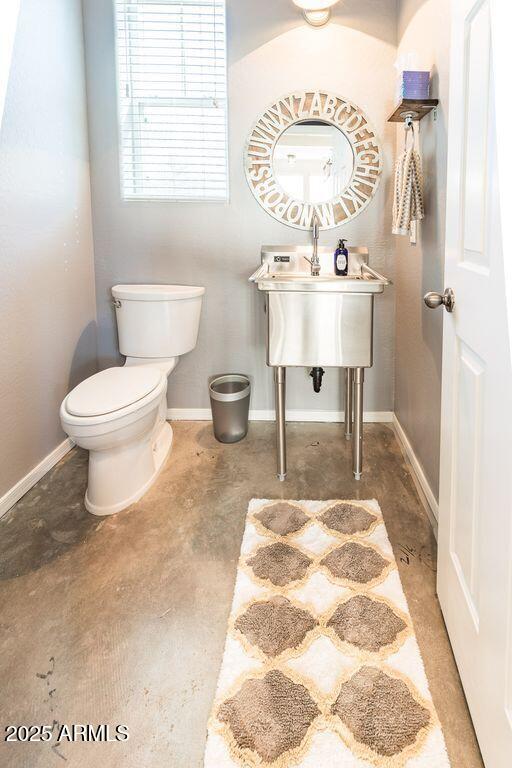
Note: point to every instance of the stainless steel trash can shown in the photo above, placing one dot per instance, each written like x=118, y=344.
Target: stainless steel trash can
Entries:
x=229, y=398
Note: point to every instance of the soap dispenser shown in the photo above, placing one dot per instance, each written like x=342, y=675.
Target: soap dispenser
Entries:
x=341, y=259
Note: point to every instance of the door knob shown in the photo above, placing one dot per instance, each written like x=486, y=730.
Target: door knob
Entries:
x=433, y=300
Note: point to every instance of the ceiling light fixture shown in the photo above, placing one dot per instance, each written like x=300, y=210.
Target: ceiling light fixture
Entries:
x=316, y=12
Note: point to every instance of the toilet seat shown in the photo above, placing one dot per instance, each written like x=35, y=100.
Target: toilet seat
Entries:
x=91, y=404
x=112, y=390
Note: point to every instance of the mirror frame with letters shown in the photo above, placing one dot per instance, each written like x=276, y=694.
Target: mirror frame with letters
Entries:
x=322, y=107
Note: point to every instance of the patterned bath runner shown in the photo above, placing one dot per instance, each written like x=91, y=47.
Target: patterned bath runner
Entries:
x=321, y=666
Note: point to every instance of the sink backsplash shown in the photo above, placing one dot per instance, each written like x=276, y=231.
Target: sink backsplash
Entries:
x=292, y=258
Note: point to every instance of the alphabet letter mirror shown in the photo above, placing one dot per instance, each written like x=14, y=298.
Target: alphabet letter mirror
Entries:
x=313, y=152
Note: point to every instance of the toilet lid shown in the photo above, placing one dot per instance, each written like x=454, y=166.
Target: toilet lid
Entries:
x=112, y=389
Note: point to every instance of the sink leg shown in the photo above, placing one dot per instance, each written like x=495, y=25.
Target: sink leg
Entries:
x=280, y=386
x=357, y=446
x=349, y=391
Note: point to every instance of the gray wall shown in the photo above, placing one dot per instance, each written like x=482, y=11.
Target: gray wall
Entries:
x=47, y=329
x=271, y=52
x=424, y=27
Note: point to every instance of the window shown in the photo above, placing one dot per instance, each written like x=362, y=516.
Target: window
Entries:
x=171, y=58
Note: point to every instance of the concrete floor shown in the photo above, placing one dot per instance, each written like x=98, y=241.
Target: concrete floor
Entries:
x=122, y=620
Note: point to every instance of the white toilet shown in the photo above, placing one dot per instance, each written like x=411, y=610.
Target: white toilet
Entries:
x=119, y=414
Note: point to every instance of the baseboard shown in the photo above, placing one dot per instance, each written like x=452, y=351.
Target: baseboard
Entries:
x=425, y=492
x=13, y=495
x=205, y=414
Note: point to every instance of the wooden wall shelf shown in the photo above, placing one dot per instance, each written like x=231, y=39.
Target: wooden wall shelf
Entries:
x=418, y=108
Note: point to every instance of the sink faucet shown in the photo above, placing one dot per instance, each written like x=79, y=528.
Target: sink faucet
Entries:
x=315, y=261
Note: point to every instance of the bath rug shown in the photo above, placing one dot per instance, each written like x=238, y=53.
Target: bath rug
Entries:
x=321, y=667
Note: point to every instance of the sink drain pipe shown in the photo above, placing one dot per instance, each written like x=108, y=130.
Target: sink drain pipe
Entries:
x=317, y=376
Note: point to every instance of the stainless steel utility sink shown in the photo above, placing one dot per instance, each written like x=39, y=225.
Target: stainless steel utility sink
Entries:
x=317, y=321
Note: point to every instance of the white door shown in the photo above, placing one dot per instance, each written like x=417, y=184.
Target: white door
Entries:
x=475, y=515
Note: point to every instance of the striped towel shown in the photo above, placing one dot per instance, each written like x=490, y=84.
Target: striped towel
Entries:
x=408, y=196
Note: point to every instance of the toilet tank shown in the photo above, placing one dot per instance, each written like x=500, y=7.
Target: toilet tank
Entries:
x=157, y=320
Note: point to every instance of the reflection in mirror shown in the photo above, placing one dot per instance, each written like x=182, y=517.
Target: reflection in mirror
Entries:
x=313, y=161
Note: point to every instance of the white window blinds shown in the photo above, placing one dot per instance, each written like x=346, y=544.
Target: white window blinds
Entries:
x=171, y=59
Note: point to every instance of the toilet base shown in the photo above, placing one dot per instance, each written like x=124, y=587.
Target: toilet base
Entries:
x=121, y=476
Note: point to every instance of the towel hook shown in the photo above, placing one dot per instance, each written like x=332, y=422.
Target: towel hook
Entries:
x=409, y=124
x=408, y=117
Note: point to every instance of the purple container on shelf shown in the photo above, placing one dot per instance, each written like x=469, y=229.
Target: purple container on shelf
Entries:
x=414, y=85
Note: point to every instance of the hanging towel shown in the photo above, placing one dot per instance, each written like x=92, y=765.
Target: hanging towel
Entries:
x=408, y=197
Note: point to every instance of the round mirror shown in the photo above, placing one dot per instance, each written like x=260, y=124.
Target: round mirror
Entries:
x=313, y=161
x=313, y=154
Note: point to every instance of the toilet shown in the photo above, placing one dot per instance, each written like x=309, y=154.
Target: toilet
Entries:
x=119, y=415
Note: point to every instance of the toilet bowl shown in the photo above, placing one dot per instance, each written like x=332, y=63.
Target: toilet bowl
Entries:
x=119, y=414
x=119, y=417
